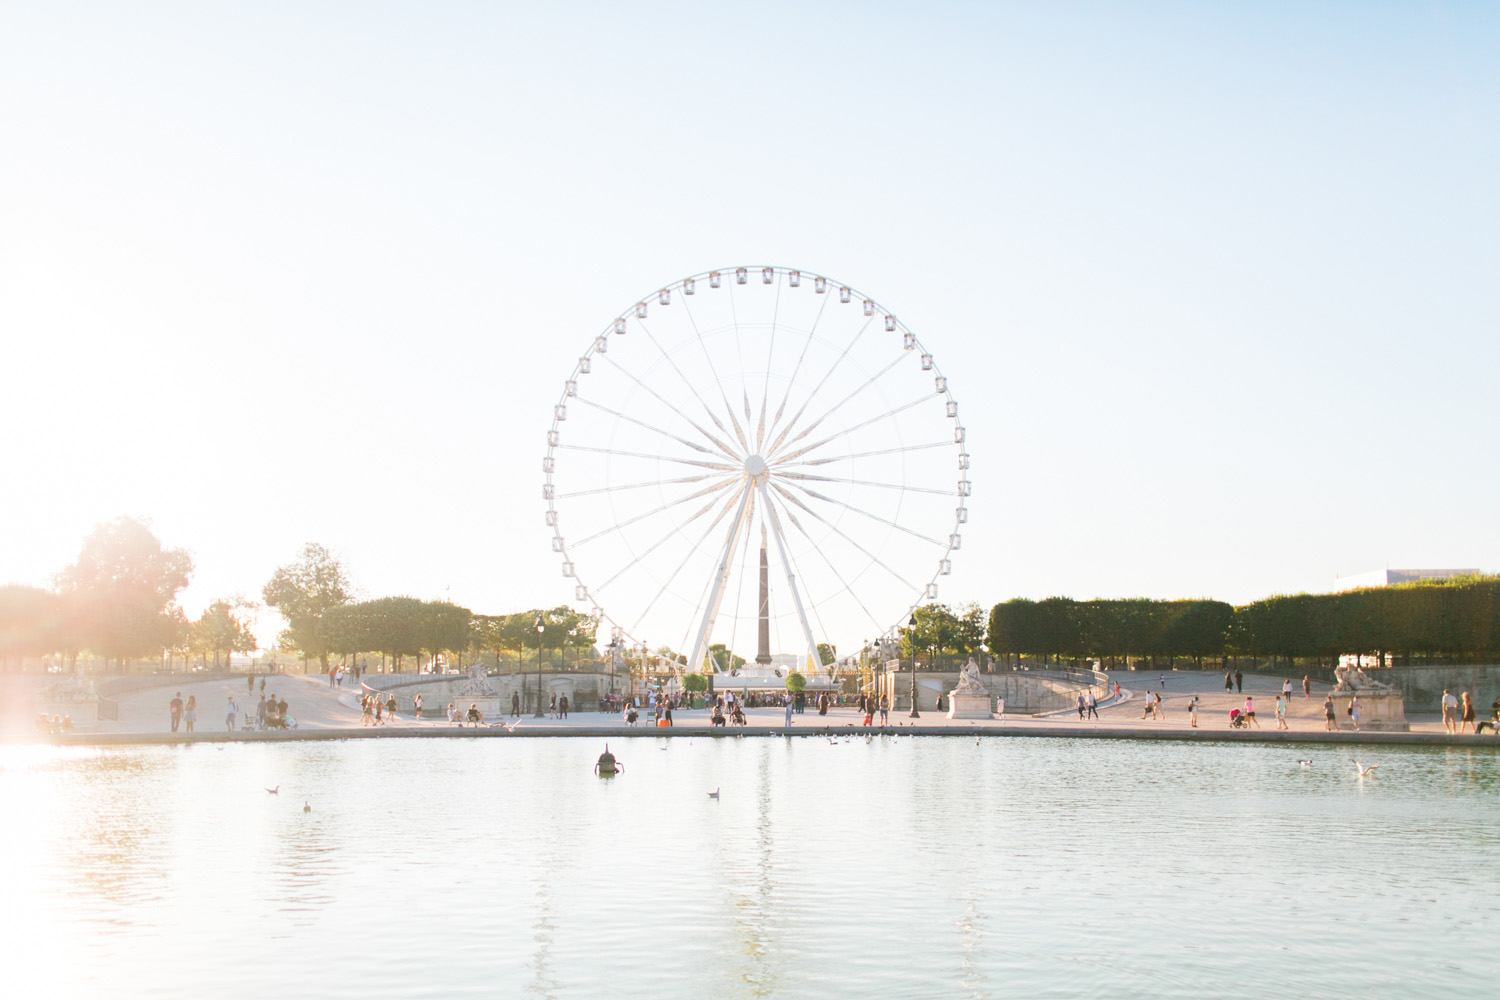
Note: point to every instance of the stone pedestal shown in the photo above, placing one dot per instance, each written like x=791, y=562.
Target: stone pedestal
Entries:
x=1379, y=711
x=968, y=706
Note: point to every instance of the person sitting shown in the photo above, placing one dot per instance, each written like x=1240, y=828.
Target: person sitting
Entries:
x=475, y=716
x=717, y=718
x=631, y=715
x=739, y=716
x=1493, y=721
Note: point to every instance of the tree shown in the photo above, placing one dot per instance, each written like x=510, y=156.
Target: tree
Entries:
x=303, y=591
x=723, y=658
x=696, y=683
x=120, y=588
x=795, y=682
x=31, y=622
x=220, y=630
x=827, y=653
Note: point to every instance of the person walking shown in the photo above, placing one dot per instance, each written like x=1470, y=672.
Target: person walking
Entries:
x=249, y=683
x=366, y=710
x=1093, y=704
x=1239, y=681
x=175, y=708
x=1281, y=712
x=1330, y=721
x=1354, y=708
x=190, y=714
x=230, y=711
x=1450, y=711
x=416, y=707
x=1228, y=682
x=390, y=708
x=1250, y=712
x=1080, y=706
x=1306, y=687
x=1162, y=680
x=379, y=710
x=1286, y=689
x=260, y=711
x=1467, y=721
x=1158, y=714
x=562, y=709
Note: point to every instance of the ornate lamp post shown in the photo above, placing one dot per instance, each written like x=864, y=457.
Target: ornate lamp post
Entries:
x=540, y=628
x=912, y=637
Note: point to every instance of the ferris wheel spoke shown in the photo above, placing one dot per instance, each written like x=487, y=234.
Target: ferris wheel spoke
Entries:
x=652, y=513
x=677, y=529
x=844, y=504
x=790, y=516
x=900, y=449
x=843, y=357
x=835, y=408
x=631, y=486
x=671, y=362
x=714, y=371
x=842, y=534
x=698, y=462
x=866, y=482
x=797, y=369
x=646, y=426
x=765, y=393
x=724, y=448
x=850, y=430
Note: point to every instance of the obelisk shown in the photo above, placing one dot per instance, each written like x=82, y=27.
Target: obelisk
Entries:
x=763, y=647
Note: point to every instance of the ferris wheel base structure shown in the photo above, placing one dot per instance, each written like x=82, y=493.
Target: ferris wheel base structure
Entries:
x=750, y=398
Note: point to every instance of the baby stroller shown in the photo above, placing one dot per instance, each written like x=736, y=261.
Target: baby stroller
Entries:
x=1237, y=719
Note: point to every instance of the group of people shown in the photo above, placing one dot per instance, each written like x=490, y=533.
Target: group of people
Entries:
x=376, y=712
x=1458, y=716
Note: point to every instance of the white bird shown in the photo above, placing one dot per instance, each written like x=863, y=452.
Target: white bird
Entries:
x=714, y=794
x=976, y=741
x=274, y=791
x=1305, y=763
x=306, y=807
x=1364, y=770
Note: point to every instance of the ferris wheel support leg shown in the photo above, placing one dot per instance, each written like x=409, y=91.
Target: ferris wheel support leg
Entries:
x=721, y=580
x=791, y=579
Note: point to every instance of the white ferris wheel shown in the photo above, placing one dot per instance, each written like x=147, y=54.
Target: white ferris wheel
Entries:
x=760, y=457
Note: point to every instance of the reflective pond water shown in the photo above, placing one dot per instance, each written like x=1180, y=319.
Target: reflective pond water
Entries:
x=897, y=867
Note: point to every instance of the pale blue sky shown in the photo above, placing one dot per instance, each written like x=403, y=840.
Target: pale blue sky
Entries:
x=1215, y=284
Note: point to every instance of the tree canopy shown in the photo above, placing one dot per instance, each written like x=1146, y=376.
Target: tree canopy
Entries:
x=118, y=592
x=304, y=591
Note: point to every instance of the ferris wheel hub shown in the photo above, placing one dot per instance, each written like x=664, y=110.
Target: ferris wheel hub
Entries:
x=755, y=467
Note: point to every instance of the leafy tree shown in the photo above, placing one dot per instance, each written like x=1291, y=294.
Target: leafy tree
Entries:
x=303, y=591
x=220, y=630
x=796, y=682
x=723, y=658
x=119, y=590
x=696, y=683
x=31, y=623
x=827, y=653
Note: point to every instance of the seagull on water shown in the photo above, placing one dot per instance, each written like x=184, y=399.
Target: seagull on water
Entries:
x=714, y=794
x=1362, y=770
x=1305, y=763
x=274, y=791
x=306, y=807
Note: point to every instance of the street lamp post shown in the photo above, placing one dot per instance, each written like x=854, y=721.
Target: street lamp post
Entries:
x=913, y=714
x=540, y=628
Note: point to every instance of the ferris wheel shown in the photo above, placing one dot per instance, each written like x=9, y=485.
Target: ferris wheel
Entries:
x=760, y=457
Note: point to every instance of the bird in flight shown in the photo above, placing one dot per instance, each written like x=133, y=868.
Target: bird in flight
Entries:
x=714, y=794
x=1362, y=770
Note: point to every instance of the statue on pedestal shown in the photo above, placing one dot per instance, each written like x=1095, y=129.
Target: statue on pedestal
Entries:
x=969, y=682
x=478, y=684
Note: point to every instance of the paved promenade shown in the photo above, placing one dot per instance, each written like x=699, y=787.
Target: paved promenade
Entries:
x=330, y=713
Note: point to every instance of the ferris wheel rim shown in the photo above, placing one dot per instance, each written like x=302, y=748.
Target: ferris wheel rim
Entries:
x=723, y=460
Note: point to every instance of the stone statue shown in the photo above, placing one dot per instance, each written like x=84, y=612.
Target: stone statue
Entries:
x=969, y=682
x=1354, y=679
x=478, y=684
